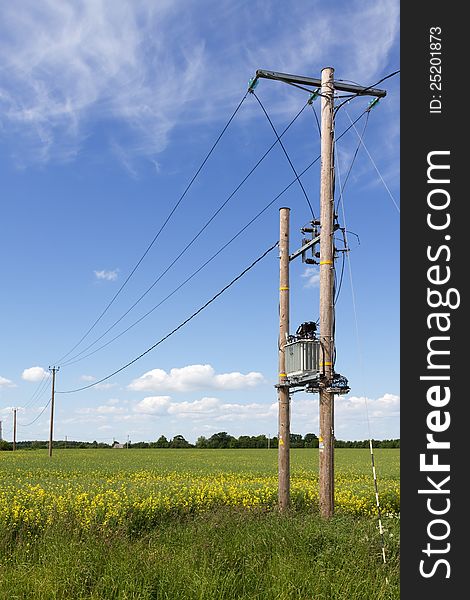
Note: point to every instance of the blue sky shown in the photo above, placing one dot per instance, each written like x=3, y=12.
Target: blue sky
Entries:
x=107, y=110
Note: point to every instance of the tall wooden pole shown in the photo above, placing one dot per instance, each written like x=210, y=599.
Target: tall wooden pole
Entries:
x=14, y=429
x=51, y=429
x=283, y=390
x=326, y=439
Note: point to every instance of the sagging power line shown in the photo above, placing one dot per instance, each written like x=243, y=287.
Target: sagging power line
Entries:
x=81, y=356
x=131, y=362
x=191, y=242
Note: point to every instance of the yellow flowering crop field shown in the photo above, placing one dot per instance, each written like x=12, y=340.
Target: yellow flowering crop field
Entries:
x=136, y=489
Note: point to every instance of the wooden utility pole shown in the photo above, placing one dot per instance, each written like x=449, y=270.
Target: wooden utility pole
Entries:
x=1, y=432
x=283, y=389
x=51, y=430
x=14, y=429
x=329, y=380
x=326, y=438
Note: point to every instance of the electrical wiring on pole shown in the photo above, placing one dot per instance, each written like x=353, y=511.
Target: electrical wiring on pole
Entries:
x=79, y=357
x=361, y=141
x=286, y=154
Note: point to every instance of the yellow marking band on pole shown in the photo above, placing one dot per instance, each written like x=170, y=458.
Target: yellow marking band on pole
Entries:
x=283, y=288
x=326, y=262
x=326, y=364
x=282, y=375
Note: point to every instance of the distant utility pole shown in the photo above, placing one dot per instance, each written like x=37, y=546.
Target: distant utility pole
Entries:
x=329, y=382
x=127, y=443
x=1, y=434
x=65, y=442
x=53, y=370
x=283, y=387
x=14, y=429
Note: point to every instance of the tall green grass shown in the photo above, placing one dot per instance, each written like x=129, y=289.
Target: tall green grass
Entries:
x=224, y=555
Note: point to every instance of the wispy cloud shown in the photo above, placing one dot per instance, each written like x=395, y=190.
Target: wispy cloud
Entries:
x=141, y=64
x=4, y=382
x=194, y=377
x=312, y=275
x=107, y=275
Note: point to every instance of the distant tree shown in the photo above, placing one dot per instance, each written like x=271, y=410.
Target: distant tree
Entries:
x=296, y=440
x=4, y=445
x=201, y=442
x=179, y=442
x=245, y=441
x=310, y=440
x=220, y=440
x=260, y=441
x=162, y=442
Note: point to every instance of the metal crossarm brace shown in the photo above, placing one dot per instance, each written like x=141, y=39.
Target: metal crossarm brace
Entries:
x=310, y=81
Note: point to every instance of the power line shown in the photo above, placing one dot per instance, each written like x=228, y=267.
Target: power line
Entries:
x=160, y=230
x=263, y=210
x=191, y=242
x=39, y=392
x=361, y=141
x=179, y=326
x=365, y=89
x=354, y=157
x=39, y=415
x=285, y=153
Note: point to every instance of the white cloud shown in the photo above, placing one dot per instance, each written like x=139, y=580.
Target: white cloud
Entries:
x=194, y=377
x=153, y=405
x=104, y=409
x=4, y=382
x=105, y=386
x=35, y=374
x=206, y=408
x=107, y=275
x=87, y=378
x=312, y=275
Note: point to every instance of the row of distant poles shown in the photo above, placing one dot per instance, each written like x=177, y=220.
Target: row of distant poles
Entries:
x=326, y=383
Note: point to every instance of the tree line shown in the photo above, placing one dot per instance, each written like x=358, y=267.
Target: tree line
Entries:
x=221, y=440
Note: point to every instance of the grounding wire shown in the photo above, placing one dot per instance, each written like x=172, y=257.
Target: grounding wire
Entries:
x=285, y=153
x=191, y=242
x=159, y=231
x=361, y=141
x=361, y=363
x=194, y=314
x=208, y=261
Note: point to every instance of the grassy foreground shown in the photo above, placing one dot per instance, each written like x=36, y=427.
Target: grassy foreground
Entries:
x=190, y=525
x=227, y=554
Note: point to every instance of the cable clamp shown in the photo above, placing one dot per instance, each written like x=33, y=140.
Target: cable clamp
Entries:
x=314, y=96
x=373, y=103
x=252, y=84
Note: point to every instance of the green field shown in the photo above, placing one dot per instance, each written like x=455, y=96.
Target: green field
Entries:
x=193, y=524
